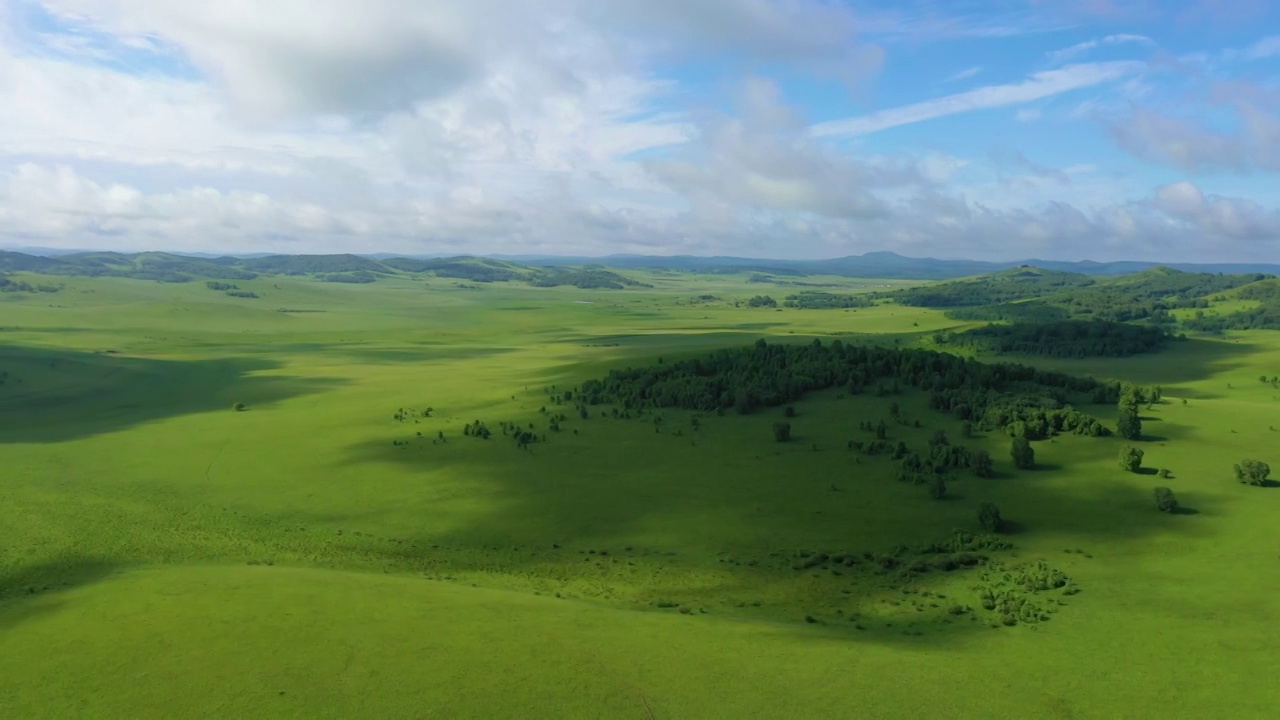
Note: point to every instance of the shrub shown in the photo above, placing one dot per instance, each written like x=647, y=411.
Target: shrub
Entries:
x=789, y=411
x=1165, y=500
x=1131, y=458
x=239, y=407
x=782, y=431
x=989, y=517
x=1165, y=473
x=1253, y=472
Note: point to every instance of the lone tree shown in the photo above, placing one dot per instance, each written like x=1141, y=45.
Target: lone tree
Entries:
x=937, y=487
x=1253, y=472
x=1024, y=456
x=981, y=464
x=782, y=431
x=1131, y=458
x=1165, y=500
x=989, y=517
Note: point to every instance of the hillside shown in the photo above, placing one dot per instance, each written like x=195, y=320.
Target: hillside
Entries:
x=1039, y=295
x=351, y=269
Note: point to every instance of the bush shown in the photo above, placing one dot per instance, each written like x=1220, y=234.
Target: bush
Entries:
x=239, y=407
x=782, y=431
x=1253, y=472
x=989, y=517
x=1165, y=500
x=1165, y=473
x=1131, y=458
x=789, y=411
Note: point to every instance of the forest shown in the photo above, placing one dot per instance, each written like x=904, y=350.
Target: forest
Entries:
x=1034, y=295
x=1064, y=339
x=1003, y=397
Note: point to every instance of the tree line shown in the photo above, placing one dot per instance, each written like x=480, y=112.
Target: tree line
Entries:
x=1063, y=339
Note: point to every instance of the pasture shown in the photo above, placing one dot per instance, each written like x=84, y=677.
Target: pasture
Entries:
x=334, y=550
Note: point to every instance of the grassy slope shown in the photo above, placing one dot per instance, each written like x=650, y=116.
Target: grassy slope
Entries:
x=135, y=498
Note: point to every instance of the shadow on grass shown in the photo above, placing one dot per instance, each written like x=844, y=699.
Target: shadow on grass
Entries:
x=25, y=591
x=56, y=395
x=1184, y=362
x=589, y=497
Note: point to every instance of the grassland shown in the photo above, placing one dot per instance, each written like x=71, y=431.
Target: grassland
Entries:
x=165, y=556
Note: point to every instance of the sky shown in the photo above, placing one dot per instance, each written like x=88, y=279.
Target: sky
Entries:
x=984, y=129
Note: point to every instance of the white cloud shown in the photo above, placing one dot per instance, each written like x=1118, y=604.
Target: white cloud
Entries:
x=964, y=74
x=497, y=126
x=1197, y=146
x=1264, y=48
x=1038, y=86
x=1058, y=57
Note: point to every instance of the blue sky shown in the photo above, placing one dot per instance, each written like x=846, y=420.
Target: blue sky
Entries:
x=1071, y=129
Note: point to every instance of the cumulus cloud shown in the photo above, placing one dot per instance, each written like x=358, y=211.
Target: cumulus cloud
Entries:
x=320, y=56
x=1236, y=218
x=521, y=127
x=1197, y=146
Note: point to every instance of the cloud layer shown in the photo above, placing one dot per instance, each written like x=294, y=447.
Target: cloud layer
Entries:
x=570, y=126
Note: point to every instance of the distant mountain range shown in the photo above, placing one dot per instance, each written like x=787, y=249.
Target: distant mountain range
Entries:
x=887, y=265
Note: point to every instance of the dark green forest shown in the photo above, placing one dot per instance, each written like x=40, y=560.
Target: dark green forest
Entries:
x=827, y=301
x=1016, y=399
x=1031, y=295
x=1063, y=339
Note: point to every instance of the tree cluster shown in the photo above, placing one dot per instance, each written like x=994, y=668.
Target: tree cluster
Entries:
x=827, y=301
x=992, y=396
x=1263, y=317
x=1064, y=339
x=1148, y=296
x=760, y=301
x=996, y=289
x=1128, y=421
x=22, y=286
x=476, y=429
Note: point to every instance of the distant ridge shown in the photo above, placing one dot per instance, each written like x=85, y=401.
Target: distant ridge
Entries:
x=883, y=264
x=880, y=264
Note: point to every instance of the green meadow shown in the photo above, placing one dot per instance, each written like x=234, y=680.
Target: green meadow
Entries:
x=336, y=550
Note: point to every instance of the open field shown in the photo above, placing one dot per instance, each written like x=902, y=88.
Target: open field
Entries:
x=164, y=555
